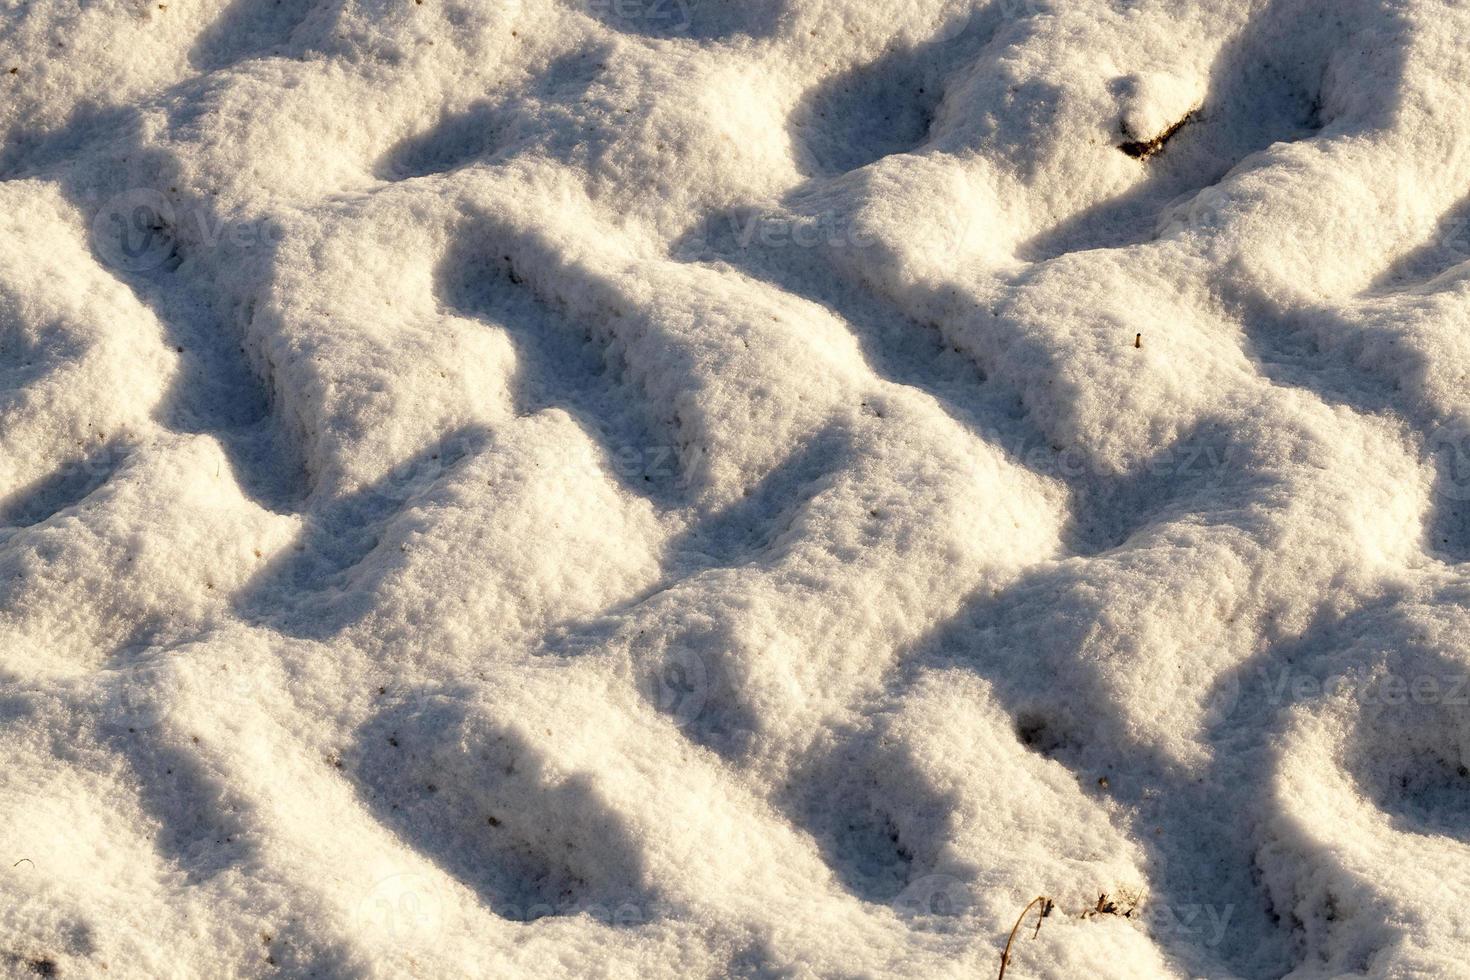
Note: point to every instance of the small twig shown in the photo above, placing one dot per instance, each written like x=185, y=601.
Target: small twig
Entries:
x=1143, y=149
x=1046, y=907
x=24, y=861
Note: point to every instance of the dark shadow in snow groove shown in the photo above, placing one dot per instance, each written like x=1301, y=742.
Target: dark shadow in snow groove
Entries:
x=684, y=669
x=1422, y=785
x=1401, y=746
x=744, y=532
x=565, y=364
x=1285, y=346
x=248, y=29
x=1256, y=98
x=478, y=799
x=1036, y=645
x=216, y=391
x=202, y=829
x=205, y=831
x=1052, y=644
x=1447, y=529
x=1262, y=90
x=682, y=663
x=31, y=154
x=553, y=112
x=66, y=487
x=887, y=106
x=1195, y=475
x=1107, y=508
x=1448, y=247
x=875, y=845
x=1032, y=644
x=898, y=348
x=167, y=246
x=313, y=590
x=465, y=137
x=219, y=393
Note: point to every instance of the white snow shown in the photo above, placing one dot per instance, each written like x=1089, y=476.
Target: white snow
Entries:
x=758, y=488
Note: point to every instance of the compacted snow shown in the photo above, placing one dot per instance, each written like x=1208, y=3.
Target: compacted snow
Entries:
x=758, y=488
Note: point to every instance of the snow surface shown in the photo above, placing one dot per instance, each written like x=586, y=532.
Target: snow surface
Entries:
x=676, y=488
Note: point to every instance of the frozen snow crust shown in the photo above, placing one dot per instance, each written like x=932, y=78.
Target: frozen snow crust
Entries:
x=675, y=488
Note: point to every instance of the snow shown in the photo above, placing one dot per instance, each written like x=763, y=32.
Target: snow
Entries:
x=684, y=488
